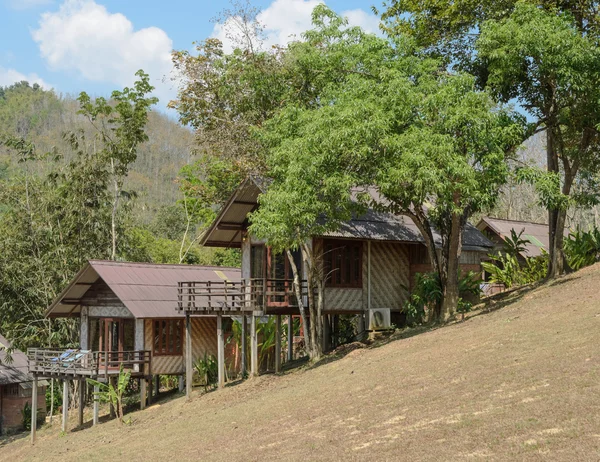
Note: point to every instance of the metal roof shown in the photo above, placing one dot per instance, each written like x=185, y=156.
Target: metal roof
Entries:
x=17, y=370
x=536, y=233
x=147, y=290
x=226, y=230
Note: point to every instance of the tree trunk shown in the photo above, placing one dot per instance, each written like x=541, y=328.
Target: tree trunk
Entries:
x=450, y=286
x=298, y=291
x=552, y=166
x=113, y=224
x=314, y=307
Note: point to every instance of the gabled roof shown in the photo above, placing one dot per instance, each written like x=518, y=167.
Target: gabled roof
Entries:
x=15, y=371
x=147, y=290
x=536, y=233
x=226, y=230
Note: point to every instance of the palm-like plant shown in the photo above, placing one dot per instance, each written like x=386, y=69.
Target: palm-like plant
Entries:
x=109, y=393
x=582, y=248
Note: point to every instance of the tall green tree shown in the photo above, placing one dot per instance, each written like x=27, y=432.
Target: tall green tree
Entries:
x=120, y=128
x=477, y=37
x=542, y=59
x=417, y=141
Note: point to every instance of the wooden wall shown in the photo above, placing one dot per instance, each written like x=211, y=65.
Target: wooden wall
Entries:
x=390, y=274
x=204, y=339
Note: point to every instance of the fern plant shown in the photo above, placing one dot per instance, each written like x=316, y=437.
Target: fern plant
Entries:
x=109, y=393
x=582, y=248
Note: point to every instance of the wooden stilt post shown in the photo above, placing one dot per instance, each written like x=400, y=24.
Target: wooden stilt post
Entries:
x=65, y=405
x=34, y=400
x=220, y=351
x=253, y=347
x=188, y=356
x=157, y=384
x=244, y=345
x=278, y=343
x=96, y=405
x=81, y=402
x=290, y=336
x=142, y=393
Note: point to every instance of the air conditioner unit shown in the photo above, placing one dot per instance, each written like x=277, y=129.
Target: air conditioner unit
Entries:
x=379, y=319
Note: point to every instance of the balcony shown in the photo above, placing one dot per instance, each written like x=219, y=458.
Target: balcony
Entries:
x=250, y=295
x=100, y=365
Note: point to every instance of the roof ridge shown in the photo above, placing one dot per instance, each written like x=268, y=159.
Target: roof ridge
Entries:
x=515, y=221
x=149, y=264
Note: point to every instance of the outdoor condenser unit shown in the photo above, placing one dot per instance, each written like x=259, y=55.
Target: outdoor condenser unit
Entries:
x=379, y=319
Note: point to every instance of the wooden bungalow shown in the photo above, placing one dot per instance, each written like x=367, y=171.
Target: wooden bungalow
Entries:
x=370, y=264
x=16, y=389
x=498, y=229
x=128, y=317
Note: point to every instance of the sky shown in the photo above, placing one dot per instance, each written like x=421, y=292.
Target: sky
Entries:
x=98, y=45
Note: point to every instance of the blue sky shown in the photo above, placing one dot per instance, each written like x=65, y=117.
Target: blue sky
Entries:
x=96, y=45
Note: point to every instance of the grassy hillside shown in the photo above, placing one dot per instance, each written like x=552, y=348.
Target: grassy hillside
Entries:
x=518, y=383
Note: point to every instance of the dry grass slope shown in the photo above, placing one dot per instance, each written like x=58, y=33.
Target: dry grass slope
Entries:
x=519, y=383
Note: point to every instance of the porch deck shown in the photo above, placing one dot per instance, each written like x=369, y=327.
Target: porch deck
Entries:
x=100, y=365
x=245, y=297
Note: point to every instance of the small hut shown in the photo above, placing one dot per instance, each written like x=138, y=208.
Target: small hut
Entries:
x=16, y=389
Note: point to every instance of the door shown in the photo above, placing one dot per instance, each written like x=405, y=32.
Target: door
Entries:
x=280, y=277
x=117, y=336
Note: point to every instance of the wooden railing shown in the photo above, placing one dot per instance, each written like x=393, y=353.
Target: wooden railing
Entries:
x=75, y=362
x=245, y=296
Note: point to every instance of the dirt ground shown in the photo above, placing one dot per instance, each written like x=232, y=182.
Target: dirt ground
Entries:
x=518, y=383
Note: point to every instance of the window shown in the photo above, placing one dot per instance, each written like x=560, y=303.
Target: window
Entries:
x=343, y=263
x=168, y=335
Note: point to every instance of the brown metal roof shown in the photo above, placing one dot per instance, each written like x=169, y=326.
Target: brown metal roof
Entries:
x=147, y=290
x=226, y=229
x=536, y=233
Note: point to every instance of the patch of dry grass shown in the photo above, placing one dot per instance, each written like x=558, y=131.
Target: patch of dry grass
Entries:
x=521, y=382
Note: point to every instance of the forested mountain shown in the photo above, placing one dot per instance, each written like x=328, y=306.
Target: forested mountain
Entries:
x=43, y=117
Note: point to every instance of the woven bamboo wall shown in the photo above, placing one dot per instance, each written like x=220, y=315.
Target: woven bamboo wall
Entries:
x=390, y=273
x=204, y=339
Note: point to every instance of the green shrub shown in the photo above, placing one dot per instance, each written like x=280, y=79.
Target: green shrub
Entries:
x=208, y=370
x=26, y=416
x=582, y=248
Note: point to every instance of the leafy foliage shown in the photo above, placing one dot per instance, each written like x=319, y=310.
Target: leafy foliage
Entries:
x=109, y=393
x=583, y=248
x=208, y=370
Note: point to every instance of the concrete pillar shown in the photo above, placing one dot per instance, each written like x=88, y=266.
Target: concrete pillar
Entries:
x=326, y=333
x=180, y=384
x=81, y=402
x=142, y=394
x=244, y=346
x=278, y=343
x=188, y=357
x=290, y=336
x=220, y=351
x=253, y=346
x=34, y=400
x=96, y=405
x=65, y=406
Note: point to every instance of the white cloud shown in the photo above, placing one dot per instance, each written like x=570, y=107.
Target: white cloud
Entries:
x=10, y=76
x=366, y=21
x=26, y=4
x=85, y=38
x=286, y=20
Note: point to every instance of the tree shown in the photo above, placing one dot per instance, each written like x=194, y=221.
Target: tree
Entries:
x=120, y=125
x=542, y=59
x=555, y=94
x=418, y=141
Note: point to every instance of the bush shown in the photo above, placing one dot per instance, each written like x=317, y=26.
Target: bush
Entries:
x=208, y=370
x=582, y=248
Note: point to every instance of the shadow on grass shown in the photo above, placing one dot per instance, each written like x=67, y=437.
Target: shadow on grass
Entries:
x=8, y=439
